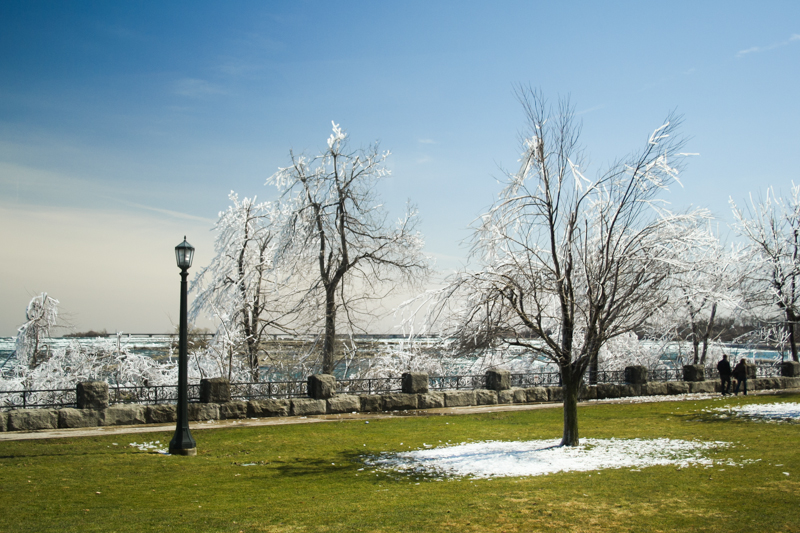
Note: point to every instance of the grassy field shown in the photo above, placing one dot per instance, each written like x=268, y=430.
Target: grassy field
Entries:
x=309, y=478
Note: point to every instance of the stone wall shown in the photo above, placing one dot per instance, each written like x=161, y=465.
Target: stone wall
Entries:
x=131, y=414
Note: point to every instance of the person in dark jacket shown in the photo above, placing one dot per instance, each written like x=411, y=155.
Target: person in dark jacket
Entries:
x=740, y=374
x=724, y=368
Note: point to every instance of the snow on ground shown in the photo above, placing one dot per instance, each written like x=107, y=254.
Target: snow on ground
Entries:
x=152, y=447
x=540, y=457
x=771, y=412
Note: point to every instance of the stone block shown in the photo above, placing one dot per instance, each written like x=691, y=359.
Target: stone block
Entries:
x=588, y=392
x=161, y=414
x=92, y=394
x=459, y=398
x=677, y=387
x=504, y=396
x=519, y=395
x=607, y=390
x=485, y=397
x=431, y=400
x=498, y=380
x=628, y=390
x=415, y=382
x=655, y=388
x=752, y=370
x=693, y=373
x=791, y=383
x=780, y=383
x=773, y=384
x=215, y=390
x=702, y=387
x=233, y=410
x=536, y=394
x=201, y=412
x=398, y=401
x=321, y=386
x=3, y=421
x=636, y=375
x=307, y=406
x=371, y=403
x=124, y=414
x=80, y=418
x=555, y=394
x=32, y=419
x=343, y=403
x=265, y=408
x=755, y=384
x=790, y=369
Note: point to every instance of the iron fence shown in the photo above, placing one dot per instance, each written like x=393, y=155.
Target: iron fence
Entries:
x=539, y=379
x=468, y=382
x=265, y=390
x=154, y=394
x=38, y=398
x=150, y=394
x=369, y=385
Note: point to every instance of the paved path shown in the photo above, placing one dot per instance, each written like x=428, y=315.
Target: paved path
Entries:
x=284, y=420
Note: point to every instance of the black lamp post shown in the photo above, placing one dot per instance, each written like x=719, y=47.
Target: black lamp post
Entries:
x=183, y=443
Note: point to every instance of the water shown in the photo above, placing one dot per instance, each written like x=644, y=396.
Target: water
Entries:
x=158, y=346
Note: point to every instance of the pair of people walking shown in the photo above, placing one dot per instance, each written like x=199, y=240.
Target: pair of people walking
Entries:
x=739, y=373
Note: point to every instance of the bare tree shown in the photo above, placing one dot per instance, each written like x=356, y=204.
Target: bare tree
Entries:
x=570, y=263
x=41, y=315
x=709, y=286
x=334, y=236
x=772, y=227
x=241, y=287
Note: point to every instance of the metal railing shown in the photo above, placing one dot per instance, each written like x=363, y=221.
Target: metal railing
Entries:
x=150, y=394
x=468, y=382
x=369, y=385
x=266, y=390
x=38, y=398
x=154, y=394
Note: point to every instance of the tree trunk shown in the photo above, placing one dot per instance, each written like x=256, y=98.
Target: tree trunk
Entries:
x=571, y=385
x=709, y=328
x=593, y=369
x=792, y=341
x=330, y=331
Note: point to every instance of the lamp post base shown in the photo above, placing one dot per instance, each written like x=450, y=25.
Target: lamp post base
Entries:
x=183, y=451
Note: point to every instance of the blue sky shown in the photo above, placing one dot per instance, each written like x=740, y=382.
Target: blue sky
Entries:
x=124, y=125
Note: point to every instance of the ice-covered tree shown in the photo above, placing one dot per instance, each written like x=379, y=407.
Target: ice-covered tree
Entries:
x=241, y=288
x=41, y=316
x=569, y=263
x=709, y=286
x=336, y=239
x=772, y=228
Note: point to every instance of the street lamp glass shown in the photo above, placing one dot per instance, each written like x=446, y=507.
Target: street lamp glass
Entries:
x=184, y=253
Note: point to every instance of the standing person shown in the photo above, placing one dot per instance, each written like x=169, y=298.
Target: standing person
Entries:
x=724, y=368
x=740, y=373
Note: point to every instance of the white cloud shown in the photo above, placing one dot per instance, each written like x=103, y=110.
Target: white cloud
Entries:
x=773, y=46
x=196, y=88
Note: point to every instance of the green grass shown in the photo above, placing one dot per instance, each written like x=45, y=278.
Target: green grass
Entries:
x=308, y=478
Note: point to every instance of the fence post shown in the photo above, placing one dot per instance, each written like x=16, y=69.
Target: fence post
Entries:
x=92, y=395
x=498, y=380
x=215, y=390
x=415, y=382
x=321, y=386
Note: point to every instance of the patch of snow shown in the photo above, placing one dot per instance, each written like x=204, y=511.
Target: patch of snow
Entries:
x=541, y=457
x=153, y=447
x=786, y=411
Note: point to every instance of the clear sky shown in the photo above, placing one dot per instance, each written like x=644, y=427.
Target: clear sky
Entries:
x=124, y=125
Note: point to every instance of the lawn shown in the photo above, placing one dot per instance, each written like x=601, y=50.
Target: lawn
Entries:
x=312, y=478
